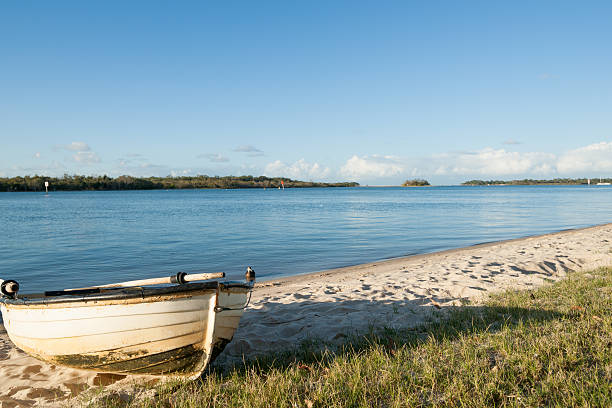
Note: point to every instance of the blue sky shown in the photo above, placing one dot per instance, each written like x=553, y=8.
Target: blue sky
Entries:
x=374, y=91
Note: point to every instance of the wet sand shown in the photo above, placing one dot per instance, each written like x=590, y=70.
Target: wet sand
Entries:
x=328, y=305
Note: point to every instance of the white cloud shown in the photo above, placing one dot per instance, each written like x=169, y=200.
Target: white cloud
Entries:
x=83, y=154
x=511, y=142
x=214, y=157
x=372, y=167
x=504, y=163
x=180, y=173
x=86, y=157
x=485, y=163
x=53, y=169
x=127, y=167
x=247, y=149
x=131, y=159
x=493, y=162
x=78, y=147
x=251, y=150
x=592, y=158
x=300, y=170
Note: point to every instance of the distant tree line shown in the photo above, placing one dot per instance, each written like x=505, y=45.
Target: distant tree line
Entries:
x=415, y=183
x=526, y=182
x=76, y=182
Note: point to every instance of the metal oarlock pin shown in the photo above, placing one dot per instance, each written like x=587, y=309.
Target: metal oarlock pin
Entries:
x=9, y=288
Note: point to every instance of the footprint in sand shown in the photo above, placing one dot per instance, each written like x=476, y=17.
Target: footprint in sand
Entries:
x=104, y=379
x=47, y=394
x=30, y=370
x=75, y=388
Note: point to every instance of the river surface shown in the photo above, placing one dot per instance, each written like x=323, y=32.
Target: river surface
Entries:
x=69, y=239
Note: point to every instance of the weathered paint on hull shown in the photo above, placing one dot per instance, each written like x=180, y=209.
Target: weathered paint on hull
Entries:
x=184, y=360
x=178, y=334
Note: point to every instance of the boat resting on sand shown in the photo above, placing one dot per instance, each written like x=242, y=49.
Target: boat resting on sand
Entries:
x=124, y=329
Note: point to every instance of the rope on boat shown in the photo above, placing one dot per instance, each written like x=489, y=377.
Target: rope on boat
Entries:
x=223, y=309
x=250, y=278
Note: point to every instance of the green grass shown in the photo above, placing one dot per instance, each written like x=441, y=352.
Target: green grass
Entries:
x=547, y=347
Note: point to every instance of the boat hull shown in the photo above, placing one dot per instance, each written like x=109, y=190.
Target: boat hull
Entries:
x=164, y=331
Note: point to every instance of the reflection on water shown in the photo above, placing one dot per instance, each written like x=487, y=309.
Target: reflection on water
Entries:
x=79, y=238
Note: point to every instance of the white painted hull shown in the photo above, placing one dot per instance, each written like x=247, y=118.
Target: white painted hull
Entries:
x=175, y=333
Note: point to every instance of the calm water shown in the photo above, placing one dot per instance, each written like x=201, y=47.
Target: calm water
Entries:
x=72, y=239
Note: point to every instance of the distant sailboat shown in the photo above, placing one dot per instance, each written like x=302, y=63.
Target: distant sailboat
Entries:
x=601, y=183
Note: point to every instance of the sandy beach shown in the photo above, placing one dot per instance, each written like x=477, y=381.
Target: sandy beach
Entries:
x=328, y=305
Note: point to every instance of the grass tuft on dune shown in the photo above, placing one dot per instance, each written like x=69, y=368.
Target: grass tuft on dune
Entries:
x=546, y=347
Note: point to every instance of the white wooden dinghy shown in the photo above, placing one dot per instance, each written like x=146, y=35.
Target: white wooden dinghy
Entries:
x=171, y=330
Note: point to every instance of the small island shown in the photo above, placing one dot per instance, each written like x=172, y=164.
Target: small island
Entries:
x=78, y=183
x=415, y=183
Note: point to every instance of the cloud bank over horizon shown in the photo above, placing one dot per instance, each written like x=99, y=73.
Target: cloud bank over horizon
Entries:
x=487, y=163
x=592, y=160
x=298, y=170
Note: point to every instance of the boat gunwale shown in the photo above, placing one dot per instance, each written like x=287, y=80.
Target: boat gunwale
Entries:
x=135, y=294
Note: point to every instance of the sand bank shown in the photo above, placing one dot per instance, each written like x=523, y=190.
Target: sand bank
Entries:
x=328, y=305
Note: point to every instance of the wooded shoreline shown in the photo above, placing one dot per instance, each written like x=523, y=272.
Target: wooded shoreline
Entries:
x=532, y=182
x=79, y=183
